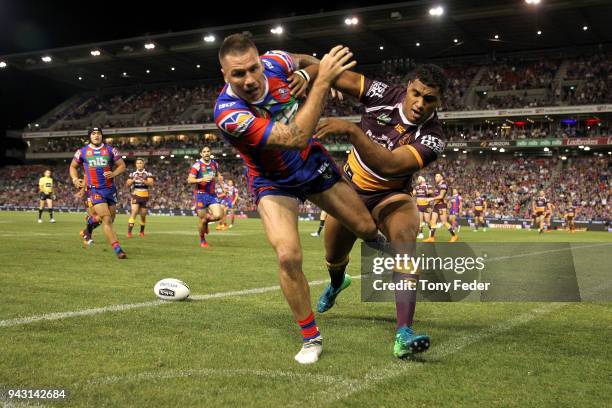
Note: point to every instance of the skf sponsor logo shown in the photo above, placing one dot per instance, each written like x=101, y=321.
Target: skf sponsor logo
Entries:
x=237, y=123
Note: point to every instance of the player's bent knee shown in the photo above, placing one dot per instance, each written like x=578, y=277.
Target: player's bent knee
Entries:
x=289, y=259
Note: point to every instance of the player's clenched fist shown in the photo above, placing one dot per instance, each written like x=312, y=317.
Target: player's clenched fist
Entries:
x=335, y=63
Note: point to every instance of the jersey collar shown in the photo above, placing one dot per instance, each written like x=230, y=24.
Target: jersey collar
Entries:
x=399, y=107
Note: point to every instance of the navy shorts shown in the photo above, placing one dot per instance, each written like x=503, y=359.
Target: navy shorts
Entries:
x=104, y=195
x=204, y=200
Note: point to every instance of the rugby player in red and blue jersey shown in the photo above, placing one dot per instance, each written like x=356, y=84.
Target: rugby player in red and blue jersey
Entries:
x=203, y=174
x=259, y=115
x=101, y=164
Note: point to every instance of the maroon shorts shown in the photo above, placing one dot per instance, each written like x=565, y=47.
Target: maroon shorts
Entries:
x=477, y=213
x=141, y=201
x=423, y=208
x=438, y=208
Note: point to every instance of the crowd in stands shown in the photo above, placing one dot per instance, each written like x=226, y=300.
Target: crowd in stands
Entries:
x=590, y=78
x=510, y=184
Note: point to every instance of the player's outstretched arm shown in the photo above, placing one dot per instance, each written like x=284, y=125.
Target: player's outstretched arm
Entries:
x=386, y=163
x=295, y=135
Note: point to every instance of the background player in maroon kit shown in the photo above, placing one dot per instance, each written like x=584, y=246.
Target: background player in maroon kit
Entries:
x=203, y=174
x=440, y=210
x=140, y=181
x=421, y=193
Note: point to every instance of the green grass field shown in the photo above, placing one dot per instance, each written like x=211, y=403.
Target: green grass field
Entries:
x=77, y=318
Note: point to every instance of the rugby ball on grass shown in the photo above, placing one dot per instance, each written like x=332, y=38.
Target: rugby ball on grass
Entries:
x=171, y=289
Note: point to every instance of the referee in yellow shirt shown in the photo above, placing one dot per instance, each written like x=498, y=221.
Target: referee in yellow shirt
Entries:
x=45, y=188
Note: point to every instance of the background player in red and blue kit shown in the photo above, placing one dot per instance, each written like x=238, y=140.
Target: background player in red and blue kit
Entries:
x=203, y=174
x=231, y=199
x=101, y=164
x=440, y=210
x=258, y=114
x=456, y=206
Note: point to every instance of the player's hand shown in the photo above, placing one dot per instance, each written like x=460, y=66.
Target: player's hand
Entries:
x=333, y=126
x=108, y=174
x=78, y=183
x=335, y=63
x=336, y=94
x=298, y=85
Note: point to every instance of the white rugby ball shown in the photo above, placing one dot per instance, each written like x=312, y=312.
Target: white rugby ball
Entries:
x=171, y=289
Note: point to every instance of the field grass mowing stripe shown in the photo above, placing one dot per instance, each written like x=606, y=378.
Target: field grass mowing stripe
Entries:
x=332, y=397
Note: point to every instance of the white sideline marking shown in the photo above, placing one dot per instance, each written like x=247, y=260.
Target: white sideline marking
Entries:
x=119, y=308
x=216, y=372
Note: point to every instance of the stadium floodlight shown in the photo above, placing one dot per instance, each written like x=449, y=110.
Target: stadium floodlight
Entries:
x=418, y=44
x=456, y=149
x=546, y=149
x=436, y=11
x=237, y=156
x=587, y=148
x=36, y=125
x=80, y=78
x=480, y=152
x=224, y=154
x=456, y=40
x=563, y=157
x=172, y=156
x=502, y=150
x=496, y=36
x=581, y=147
x=149, y=46
x=381, y=47
x=162, y=157
x=148, y=71
x=124, y=157
x=172, y=69
x=494, y=148
x=533, y=2
x=464, y=152
x=314, y=54
x=539, y=32
x=584, y=28
x=278, y=30
x=443, y=155
x=209, y=38
x=198, y=66
x=2, y=64
x=95, y=53
x=46, y=59
x=185, y=157
x=102, y=76
x=124, y=74
x=349, y=21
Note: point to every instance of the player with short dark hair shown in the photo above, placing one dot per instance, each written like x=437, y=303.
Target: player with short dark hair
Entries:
x=45, y=190
x=203, y=174
x=539, y=206
x=260, y=115
x=101, y=163
x=440, y=210
x=232, y=199
x=399, y=134
x=456, y=206
x=140, y=181
x=480, y=206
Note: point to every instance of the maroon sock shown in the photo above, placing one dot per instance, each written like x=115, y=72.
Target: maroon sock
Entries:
x=405, y=300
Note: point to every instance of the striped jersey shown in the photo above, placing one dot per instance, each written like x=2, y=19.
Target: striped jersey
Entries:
x=96, y=161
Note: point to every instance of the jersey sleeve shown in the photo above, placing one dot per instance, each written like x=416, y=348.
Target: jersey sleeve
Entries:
x=150, y=175
x=114, y=153
x=195, y=169
x=78, y=156
x=279, y=62
x=377, y=93
x=242, y=124
x=428, y=144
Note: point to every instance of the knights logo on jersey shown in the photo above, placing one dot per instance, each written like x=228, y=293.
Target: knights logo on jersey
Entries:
x=89, y=153
x=237, y=122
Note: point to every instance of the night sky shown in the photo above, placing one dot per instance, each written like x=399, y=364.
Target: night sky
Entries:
x=37, y=25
